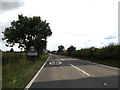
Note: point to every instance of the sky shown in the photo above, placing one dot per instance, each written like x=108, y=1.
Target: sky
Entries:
x=81, y=23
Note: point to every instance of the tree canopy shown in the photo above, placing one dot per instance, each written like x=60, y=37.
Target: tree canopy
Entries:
x=70, y=50
x=11, y=50
x=27, y=31
x=60, y=49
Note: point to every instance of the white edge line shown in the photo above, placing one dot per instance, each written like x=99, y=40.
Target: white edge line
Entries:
x=101, y=64
x=109, y=66
x=80, y=70
x=33, y=79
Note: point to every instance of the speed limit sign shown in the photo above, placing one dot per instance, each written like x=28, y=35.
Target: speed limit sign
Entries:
x=32, y=48
x=93, y=48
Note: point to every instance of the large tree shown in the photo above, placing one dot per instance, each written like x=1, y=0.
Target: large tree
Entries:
x=28, y=31
x=60, y=49
x=70, y=50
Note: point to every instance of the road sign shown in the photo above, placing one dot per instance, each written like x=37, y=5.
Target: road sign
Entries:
x=29, y=53
x=93, y=48
x=32, y=48
x=32, y=51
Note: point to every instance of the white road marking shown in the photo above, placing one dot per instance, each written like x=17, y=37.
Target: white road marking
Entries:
x=101, y=65
x=104, y=84
x=109, y=66
x=80, y=70
x=55, y=63
x=62, y=59
x=33, y=79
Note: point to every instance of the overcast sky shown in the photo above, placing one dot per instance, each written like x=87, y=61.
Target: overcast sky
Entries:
x=81, y=23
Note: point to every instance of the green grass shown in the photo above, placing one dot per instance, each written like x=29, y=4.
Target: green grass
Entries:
x=17, y=71
x=110, y=62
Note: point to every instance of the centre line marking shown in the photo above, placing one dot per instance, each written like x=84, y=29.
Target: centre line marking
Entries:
x=62, y=59
x=80, y=70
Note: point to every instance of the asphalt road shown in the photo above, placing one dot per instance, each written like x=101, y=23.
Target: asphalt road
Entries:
x=74, y=73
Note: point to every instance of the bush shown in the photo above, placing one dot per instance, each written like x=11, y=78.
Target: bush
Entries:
x=110, y=52
x=108, y=55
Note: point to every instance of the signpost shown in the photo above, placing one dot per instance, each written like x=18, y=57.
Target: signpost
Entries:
x=32, y=48
x=93, y=48
x=92, y=52
x=32, y=52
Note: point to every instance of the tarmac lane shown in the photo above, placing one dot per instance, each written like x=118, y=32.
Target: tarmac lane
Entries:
x=75, y=73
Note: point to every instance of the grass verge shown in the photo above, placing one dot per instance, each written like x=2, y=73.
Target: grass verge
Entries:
x=16, y=74
x=113, y=63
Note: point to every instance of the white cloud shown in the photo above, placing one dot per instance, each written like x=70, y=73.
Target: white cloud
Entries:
x=73, y=22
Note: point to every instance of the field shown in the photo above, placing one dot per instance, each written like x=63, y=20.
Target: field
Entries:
x=17, y=69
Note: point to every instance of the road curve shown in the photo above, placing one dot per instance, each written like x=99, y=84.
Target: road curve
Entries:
x=75, y=73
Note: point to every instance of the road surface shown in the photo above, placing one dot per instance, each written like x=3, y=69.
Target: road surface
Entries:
x=75, y=73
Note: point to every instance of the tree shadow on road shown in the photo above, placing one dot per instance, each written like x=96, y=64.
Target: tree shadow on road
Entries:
x=90, y=82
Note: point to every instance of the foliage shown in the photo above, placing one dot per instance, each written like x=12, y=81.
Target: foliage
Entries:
x=60, y=49
x=70, y=50
x=108, y=52
x=17, y=70
x=53, y=52
x=27, y=31
x=109, y=55
x=11, y=50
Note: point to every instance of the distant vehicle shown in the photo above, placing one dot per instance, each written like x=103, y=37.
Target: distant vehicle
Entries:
x=32, y=52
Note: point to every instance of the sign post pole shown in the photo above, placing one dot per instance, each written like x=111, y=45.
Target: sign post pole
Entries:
x=92, y=51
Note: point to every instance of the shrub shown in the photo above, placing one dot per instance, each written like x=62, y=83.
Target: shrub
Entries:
x=111, y=51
